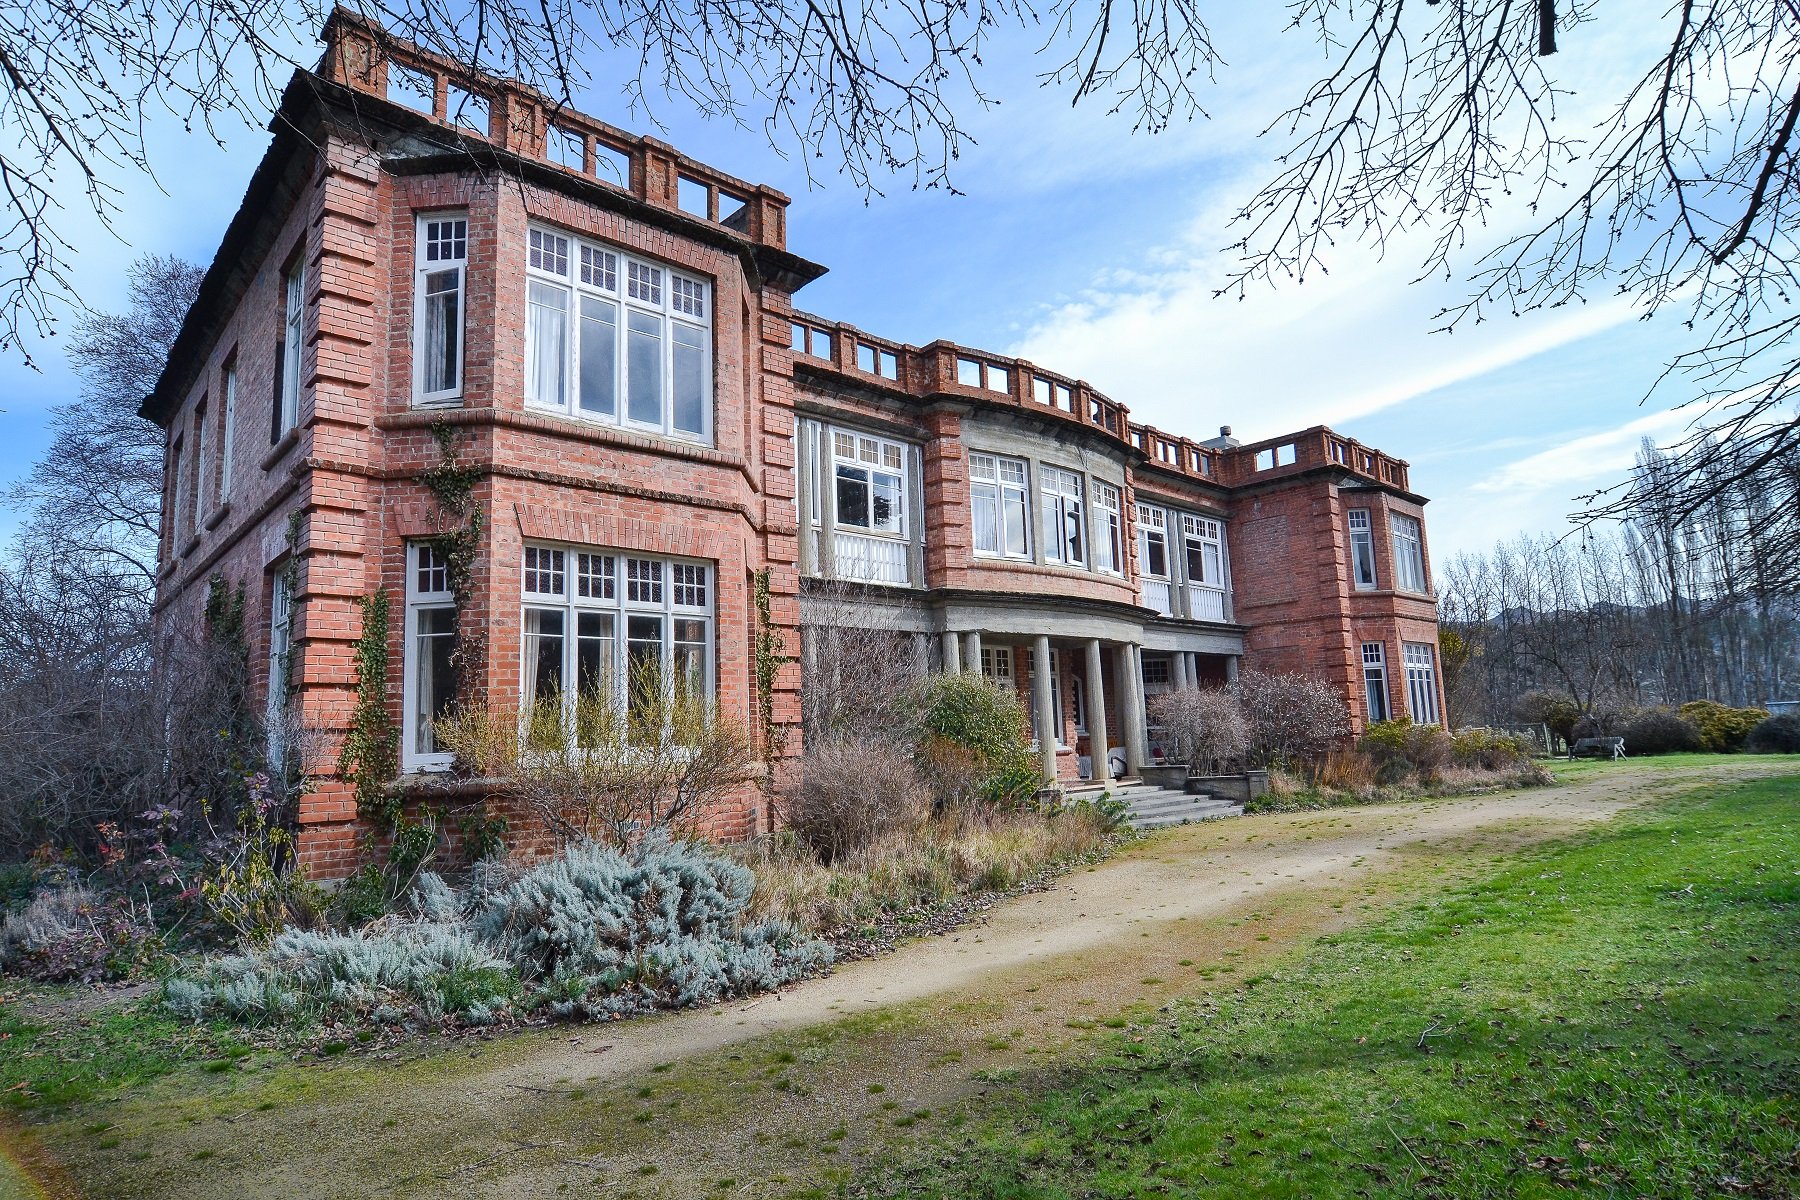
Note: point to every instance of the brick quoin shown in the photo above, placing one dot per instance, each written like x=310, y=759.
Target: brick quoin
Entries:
x=343, y=200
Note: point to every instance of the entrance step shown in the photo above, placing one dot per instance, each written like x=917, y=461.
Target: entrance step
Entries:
x=1153, y=807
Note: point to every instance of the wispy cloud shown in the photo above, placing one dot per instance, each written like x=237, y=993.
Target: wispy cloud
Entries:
x=1586, y=460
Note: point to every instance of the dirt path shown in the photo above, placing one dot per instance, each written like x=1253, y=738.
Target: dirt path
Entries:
x=802, y=1087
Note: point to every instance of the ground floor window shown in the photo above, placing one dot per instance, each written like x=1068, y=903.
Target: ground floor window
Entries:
x=996, y=662
x=281, y=649
x=430, y=680
x=1421, y=682
x=1375, y=686
x=608, y=635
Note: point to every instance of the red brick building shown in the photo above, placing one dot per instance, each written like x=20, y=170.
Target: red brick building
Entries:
x=605, y=334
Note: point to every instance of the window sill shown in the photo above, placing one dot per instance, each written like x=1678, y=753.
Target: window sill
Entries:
x=538, y=420
x=218, y=515
x=279, y=450
x=624, y=427
x=188, y=547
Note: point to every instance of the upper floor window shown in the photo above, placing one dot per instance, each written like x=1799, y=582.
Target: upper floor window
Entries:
x=1108, y=535
x=869, y=476
x=202, y=467
x=1051, y=393
x=1153, y=542
x=1409, y=554
x=998, y=496
x=805, y=339
x=1064, y=536
x=613, y=338
x=293, y=336
x=877, y=361
x=228, y=431
x=1203, y=542
x=439, y=282
x=429, y=686
x=1362, y=549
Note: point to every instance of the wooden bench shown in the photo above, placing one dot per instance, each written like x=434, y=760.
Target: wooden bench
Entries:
x=1600, y=747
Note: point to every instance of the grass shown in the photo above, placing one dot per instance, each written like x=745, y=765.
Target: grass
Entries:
x=1619, y=1016
x=50, y=1064
x=1581, y=770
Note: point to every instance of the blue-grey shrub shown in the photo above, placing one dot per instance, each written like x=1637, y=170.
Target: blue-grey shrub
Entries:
x=592, y=932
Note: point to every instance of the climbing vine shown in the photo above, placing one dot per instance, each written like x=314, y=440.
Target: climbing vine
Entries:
x=371, y=754
x=458, y=540
x=770, y=658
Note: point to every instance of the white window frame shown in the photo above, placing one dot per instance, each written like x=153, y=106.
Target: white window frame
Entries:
x=228, y=386
x=1061, y=491
x=293, y=328
x=281, y=650
x=997, y=663
x=427, y=590
x=1007, y=483
x=1209, y=535
x=1109, y=534
x=680, y=302
x=201, y=466
x=178, y=492
x=1153, y=523
x=617, y=587
x=1362, y=550
x=872, y=456
x=448, y=250
x=1408, y=536
x=1374, y=660
x=1421, y=681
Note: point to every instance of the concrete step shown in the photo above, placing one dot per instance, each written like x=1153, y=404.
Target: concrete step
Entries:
x=1152, y=807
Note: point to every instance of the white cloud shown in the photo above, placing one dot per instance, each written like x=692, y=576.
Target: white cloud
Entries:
x=1587, y=460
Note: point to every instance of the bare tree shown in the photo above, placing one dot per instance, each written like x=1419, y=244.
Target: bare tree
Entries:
x=97, y=492
x=860, y=667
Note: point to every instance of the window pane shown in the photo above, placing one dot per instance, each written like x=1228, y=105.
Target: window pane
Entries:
x=599, y=356
x=1015, y=525
x=546, y=344
x=443, y=329
x=435, y=687
x=690, y=379
x=690, y=659
x=643, y=646
x=1072, y=530
x=865, y=358
x=853, y=497
x=543, y=660
x=886, y=502
x=987, y=520
x=1156, y=557
x=644, y=368
x=1052, y=525
x=968, y=372
x=593, y=674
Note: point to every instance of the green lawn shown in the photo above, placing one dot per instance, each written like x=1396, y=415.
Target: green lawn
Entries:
x=1619, y=1017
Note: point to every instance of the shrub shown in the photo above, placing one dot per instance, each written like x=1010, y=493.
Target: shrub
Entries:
x=1557, y=713
x=1659, y=731
x=71, y=935
x=1722, y=729
x=973, y=741
x=1346, y=770
x=1489, y=749
x=1290, y=718
x=1202, y=727
x=851, y=793
x=1420, y=748
x=594, y=931
x=602, y=774
x=1778, y=735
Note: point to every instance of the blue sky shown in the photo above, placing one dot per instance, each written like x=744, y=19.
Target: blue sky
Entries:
x=1094, y=251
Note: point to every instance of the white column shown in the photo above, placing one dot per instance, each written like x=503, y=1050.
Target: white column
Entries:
x=1131, y=706
x=828, y=560
x=1044, y=701
x=807, y=472
x=1096, y=708
x=952, y=659
x=1231, y=667
x=972, y=650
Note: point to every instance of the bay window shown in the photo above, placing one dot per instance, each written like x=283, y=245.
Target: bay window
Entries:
x=1063, y=522
x=613, y=338
x=439, y=282
x=608, y=634
x=1409, y=554
x=1203, y=543
x=1421, y=682
x=1108, y=535
x=1000, y=506
x=429, y=685
x=1362, y=549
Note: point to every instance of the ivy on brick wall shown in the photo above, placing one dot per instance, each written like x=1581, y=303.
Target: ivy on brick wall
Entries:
x=458, y=539
x=371, y=754
x=770, y=658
